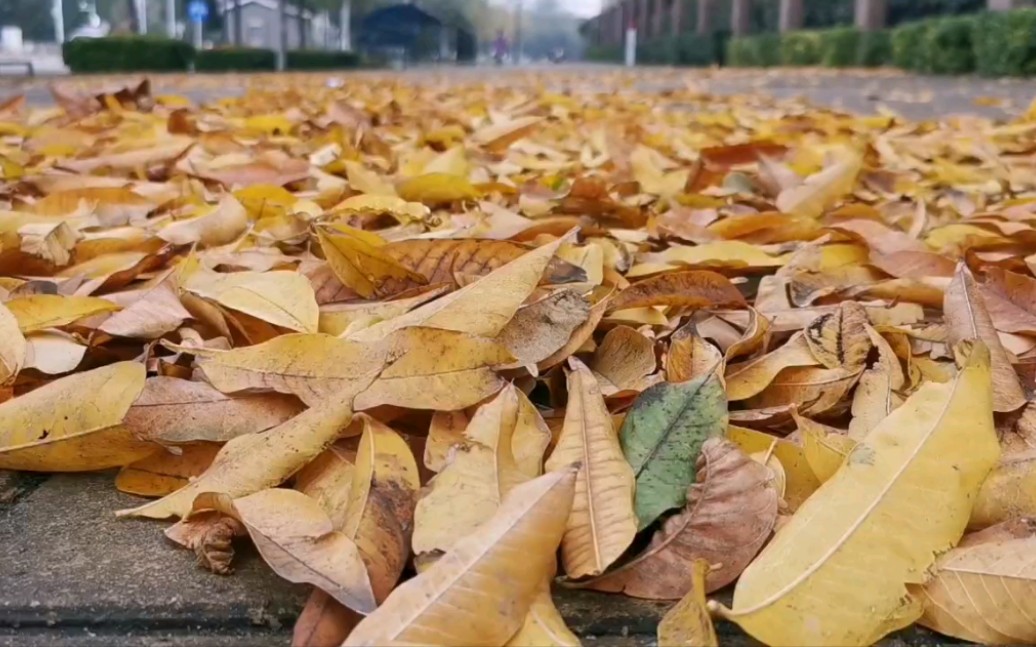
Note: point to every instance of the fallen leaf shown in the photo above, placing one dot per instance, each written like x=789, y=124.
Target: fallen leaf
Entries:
x=170, y=410
x=479, y=579
x=41, y=311
x=359, y=261
x=981, y=590
x=281, y=298
x=690, y=289
x=730, y=512
x=220, y=225
x=165, y=472
x=822, y=190
x=967, y=318
x=623, y=361
x=74, y=424
x=752, y=377
x=687, y=623
x=253, y=462
x=603, y=523
x=1008, y=493
x=295, y=537
x=838, y=339
x=543, y=626
x=942, y=434
x=662, y=436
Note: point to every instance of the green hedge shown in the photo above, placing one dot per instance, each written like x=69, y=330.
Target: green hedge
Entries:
x=839, y=47
x=801, y=48
x=763, y=50
x=604, y=53
x=660, y=51
x=127, y=54
x=908, y=42
x=1004, y=43
x=234, y=59
x=947, y=47
x=699, y=50
x=307, y=59
x=875, y=48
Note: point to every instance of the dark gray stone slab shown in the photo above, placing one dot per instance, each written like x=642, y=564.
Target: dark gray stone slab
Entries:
x=69, y=562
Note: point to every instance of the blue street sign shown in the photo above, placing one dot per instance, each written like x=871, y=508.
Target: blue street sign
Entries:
x=197, y=10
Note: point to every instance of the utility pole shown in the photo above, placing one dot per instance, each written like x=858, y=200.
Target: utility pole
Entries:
x=518, y=33
x=170, y=18
x=282, y=49
x=58, y=14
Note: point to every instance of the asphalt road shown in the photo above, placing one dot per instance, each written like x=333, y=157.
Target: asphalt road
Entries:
x=914, y=97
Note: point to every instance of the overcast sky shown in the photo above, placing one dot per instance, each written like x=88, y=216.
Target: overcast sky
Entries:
x=584, y=8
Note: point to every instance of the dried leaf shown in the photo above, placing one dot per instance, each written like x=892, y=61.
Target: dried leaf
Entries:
x=253, y=462
x=479, y=580
x=603, y=523
x=281, y=298
x=967, y=318
x=942, y=434
x=74, y=424
x=692, y=289
x=165, y=472
x=730, y=512
x=687, y=623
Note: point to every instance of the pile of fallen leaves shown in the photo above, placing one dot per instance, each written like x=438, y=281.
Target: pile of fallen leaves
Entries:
x=437, y=345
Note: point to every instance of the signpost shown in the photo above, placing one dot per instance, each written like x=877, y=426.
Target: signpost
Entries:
x=197, y=11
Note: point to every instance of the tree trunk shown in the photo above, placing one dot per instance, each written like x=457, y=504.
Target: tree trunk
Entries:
x=134, y=16
x=301, y=6
x=239, y=34
x=345, y=42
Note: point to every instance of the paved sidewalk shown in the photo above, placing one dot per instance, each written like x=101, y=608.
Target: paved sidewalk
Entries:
x=74, y=575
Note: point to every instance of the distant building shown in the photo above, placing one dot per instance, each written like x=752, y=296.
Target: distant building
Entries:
x=261, y=24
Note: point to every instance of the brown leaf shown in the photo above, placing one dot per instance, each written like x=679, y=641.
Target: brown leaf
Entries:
x=170, y=411
x=839, y=339
x=691, y=289
x=967, y=318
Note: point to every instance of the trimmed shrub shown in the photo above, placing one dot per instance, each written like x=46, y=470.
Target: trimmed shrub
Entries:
x=908, y=45
x=234, y=59
x=755, y=51
x=697, y=50
x=1004, y=44
x=127, y=54
x=948, y=47
x=875, y=48
x=312, y=59
x=839, y=47
x=660, y=51
x=800, y=48
x=604, y=53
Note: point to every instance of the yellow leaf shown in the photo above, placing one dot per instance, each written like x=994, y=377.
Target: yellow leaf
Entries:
x=313, y=367
x=376, y=205
x=359, y=261
x=41, y=311
x=797, y=593
x=434, y=189
x=822, y=190
x=800, y=481
x=366, y=181
x=602, y=524
x=499, y=136
x=265, y=200
x=220, y=225
x=295, y=537
x=825, y=452
x=74, y=424
x=436, y=369
x=646, y=164
x=12, y=346
x=687, y=623
x=253, y=462
x=380, y=513
x=481, y=308
x=53, y=242
x=726, y=253
x=1008, y=493
x=752, y=377
x=543, y=626
x=501, y=448
x=270, y=124
x=164, y=471
x=478, y=593
x=282, y=298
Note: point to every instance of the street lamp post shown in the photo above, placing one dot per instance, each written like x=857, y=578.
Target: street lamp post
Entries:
x=58, y=14
x=518, y=33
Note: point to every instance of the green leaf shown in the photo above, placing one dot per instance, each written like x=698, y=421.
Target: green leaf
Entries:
x=662, y=437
